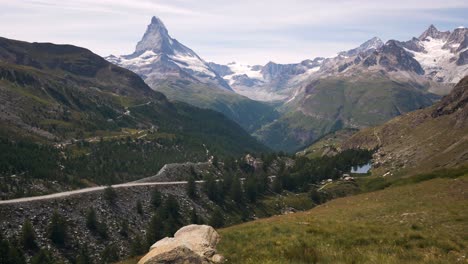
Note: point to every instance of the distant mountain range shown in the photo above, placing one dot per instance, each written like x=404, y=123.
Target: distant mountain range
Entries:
x=357, y=88
x=440, y=57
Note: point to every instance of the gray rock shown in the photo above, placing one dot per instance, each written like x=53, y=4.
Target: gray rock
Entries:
x=191, y=244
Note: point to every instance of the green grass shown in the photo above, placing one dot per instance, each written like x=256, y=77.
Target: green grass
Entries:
x=423, y=222
x=372, y=183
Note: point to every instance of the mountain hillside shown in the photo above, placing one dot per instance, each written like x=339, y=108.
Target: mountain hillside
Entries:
x=177, y=71
x=415, y=223
x=329, y=104
x=70, y=117
x=434, y=137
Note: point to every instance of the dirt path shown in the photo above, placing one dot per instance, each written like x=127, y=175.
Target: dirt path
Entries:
x=86, y=190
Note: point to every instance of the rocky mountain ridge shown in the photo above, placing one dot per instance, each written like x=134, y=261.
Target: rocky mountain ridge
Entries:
x=436, y=56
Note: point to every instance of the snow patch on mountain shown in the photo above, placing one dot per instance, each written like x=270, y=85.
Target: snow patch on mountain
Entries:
x=241, y=69
x=193, y=63
x=439, y=62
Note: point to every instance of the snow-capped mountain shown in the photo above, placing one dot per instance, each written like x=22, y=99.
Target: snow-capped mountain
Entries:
x=270, y=82
x=158, y=57
x=372, y=44
x=435, y=60
x=170, y=67
x=442, y=55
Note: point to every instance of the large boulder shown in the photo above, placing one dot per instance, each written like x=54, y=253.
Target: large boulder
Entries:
x=190, y=244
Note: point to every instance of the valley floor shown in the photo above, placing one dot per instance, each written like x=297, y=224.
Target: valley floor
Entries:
x=426, y=222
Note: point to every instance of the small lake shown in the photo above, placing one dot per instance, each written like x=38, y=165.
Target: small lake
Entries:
x=361, y=169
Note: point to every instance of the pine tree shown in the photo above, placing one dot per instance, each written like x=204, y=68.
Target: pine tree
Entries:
x=28, y=237
x=43, y=257
x=220, y=192
x=191, y=188
x=236, y=190
x=57, y=229
x=139, y=207
x=124, y=228
x=137, y=248
x=91, y=220
x=10, y=254
x=251, y=189
x=277, y=185
x=171, y=207
x=170, y=226
x=83, y=257
x=110, y=254
x=156, y=198
x=217, y=219
x=102, y=230
x=194, y=218
x=209, y=187
x=262, y=183
x=215, y=161
x=155, y=230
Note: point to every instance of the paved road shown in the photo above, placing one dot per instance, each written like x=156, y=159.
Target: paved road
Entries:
x=86, y=190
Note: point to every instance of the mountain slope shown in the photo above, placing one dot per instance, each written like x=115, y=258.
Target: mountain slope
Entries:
x=423, y=140
x=172, y=68
x=89, y=119
x=333, y=103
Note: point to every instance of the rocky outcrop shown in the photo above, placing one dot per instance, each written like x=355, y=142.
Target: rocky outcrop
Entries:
x=455, y=103
x=191, y=244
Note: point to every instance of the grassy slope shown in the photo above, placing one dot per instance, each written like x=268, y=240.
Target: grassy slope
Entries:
x=418, y=223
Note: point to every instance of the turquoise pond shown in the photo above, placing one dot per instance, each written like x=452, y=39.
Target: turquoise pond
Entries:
x=361, y=169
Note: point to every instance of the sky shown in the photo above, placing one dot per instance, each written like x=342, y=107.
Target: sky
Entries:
x=252, y=32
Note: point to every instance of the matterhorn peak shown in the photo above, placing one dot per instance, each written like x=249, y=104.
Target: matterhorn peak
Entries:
x=156, y=38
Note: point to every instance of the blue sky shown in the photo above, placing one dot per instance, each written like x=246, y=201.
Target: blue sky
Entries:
x=253, y=32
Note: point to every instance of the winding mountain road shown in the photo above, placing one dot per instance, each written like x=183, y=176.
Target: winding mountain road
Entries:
x=91, y=189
